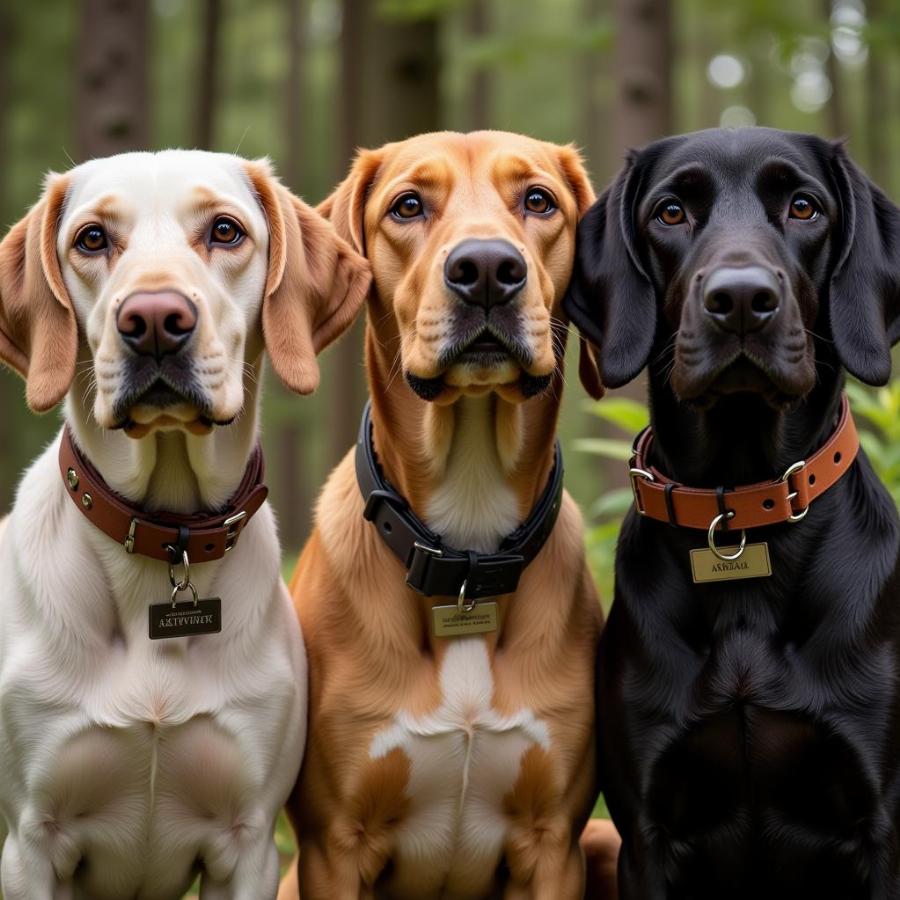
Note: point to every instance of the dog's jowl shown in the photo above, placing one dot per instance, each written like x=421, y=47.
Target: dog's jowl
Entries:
x=750, y=737
x=152, y=675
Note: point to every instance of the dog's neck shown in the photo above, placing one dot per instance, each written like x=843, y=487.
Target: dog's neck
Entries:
x=472, y=469
x=170, y=471
x=742, y=439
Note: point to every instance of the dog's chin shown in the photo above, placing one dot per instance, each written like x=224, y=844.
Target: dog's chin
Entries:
x=745, y=375
x=477, y=374
x=161, y=408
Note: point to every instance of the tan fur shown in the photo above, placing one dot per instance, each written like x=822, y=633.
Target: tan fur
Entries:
x=38, y=334
x=370, y=646
x=305, y=260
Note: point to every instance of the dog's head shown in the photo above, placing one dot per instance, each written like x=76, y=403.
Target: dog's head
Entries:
x=471, y=240
x=739, y=256
x=164, y=275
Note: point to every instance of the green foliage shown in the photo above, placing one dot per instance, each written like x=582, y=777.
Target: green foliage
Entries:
x=878, y=417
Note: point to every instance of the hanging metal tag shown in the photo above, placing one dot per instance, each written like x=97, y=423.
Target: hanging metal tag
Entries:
x=174, y=620
x=450, y=622
x=753, y=562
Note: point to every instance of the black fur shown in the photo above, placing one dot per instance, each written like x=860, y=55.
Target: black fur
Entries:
x=750, y=730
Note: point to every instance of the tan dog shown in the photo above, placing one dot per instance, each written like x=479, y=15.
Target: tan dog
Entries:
x=459, y=767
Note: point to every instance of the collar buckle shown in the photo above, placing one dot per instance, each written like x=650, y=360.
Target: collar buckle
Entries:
x=234, y=525
x=792, y=470
x=635, y=473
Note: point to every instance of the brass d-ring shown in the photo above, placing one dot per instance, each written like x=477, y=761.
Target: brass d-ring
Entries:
x=711, y=539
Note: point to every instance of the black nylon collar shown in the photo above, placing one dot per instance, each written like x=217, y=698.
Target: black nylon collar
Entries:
x=433, y=568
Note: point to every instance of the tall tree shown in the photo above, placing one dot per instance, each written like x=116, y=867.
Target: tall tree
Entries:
x=642, y=60
x=208, y=80
x=294, y=438
x=389, y=90
x=112, y=97
x=878, y=115
x=478, y=103
x=834, y=109
x=593, y=74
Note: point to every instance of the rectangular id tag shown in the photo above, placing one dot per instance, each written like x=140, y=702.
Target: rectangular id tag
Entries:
x=752, y=563
x=449, y=622
x=185, y=619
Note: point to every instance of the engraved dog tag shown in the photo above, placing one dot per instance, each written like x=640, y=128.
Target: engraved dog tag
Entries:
x=449, y=622
x=752, y=563
x=186, y=619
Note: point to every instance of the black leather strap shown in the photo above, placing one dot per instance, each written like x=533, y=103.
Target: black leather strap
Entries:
x=433, y=568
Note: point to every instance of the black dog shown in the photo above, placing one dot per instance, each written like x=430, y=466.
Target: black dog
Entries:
x=750, y=729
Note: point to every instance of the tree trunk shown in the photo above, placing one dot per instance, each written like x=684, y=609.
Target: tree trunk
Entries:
x=479, y=100
x=878, y=106
x=593, y=73
x=112, y=97
x=643, y=61
x=834, y=109
x=389, y=90
x=207, y=75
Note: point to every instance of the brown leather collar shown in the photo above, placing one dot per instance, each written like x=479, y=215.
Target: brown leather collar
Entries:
x=203, y=537
x=786, y=499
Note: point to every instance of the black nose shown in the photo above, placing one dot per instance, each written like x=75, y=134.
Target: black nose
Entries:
x=485, y=273
x=741, y=300
x=156, y=324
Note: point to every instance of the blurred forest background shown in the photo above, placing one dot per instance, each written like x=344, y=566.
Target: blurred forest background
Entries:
x=308, y=81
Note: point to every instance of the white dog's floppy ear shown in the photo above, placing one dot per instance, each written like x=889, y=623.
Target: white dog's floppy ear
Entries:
x=315, y=283
x=38, y=331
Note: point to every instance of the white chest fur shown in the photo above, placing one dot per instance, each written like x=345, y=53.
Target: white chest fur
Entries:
x=464, y=759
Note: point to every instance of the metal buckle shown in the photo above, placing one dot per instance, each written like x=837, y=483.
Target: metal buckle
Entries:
x=234, y=525
x=711, y=538
x=431, y=551
x=634, y=474
x=791, y=470
x=129, y=541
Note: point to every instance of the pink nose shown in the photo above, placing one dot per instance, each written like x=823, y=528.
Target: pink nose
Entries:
x=156, y=324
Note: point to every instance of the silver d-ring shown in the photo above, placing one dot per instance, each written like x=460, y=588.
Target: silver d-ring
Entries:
x=186, y=576
x=711, y=539
x=187, y=586
x=461, y=605
x=791, y=470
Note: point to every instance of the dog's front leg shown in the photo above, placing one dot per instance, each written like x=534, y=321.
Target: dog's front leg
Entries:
x=331, y=873
x=548, y=872
x=254, y=876
x=26, y=873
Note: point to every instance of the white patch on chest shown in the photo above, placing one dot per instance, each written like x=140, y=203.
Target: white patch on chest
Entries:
x=464, y=760
x=474, y=508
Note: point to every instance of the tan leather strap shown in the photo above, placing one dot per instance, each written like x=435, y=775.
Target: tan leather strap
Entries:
x=203, y=537
x=752, y=506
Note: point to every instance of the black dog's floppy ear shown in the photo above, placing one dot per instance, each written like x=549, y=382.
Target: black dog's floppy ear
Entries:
x=864, y=303
x=610, y=298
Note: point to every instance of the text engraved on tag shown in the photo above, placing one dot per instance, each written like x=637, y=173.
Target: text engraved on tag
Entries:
x=185, y=619
x=752, y=563
x=450, y=622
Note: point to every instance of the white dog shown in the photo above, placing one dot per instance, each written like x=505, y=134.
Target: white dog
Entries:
x=128, y=765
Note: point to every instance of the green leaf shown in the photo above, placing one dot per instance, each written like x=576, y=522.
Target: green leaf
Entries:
x=605, y=447
x=629, y=415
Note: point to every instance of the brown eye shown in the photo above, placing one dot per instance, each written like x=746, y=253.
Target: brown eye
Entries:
x=803, y=207
x=91, y=239
x=671, y=213
x=225, y=231
x=408, y=206
x=539, y=201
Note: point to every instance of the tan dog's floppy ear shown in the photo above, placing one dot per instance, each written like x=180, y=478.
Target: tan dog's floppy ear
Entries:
x=573, y=170
x=315, y=284
x=589, y=371
x=346, y=206
x=38, y=331
x=572, y=166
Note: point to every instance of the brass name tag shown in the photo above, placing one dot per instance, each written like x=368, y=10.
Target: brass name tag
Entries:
x=185, y=619
x=450, y=622
x=752, y=563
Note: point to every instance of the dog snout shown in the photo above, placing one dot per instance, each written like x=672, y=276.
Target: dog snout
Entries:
x=485, y=272
x=741, y=300
x=156, y=324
